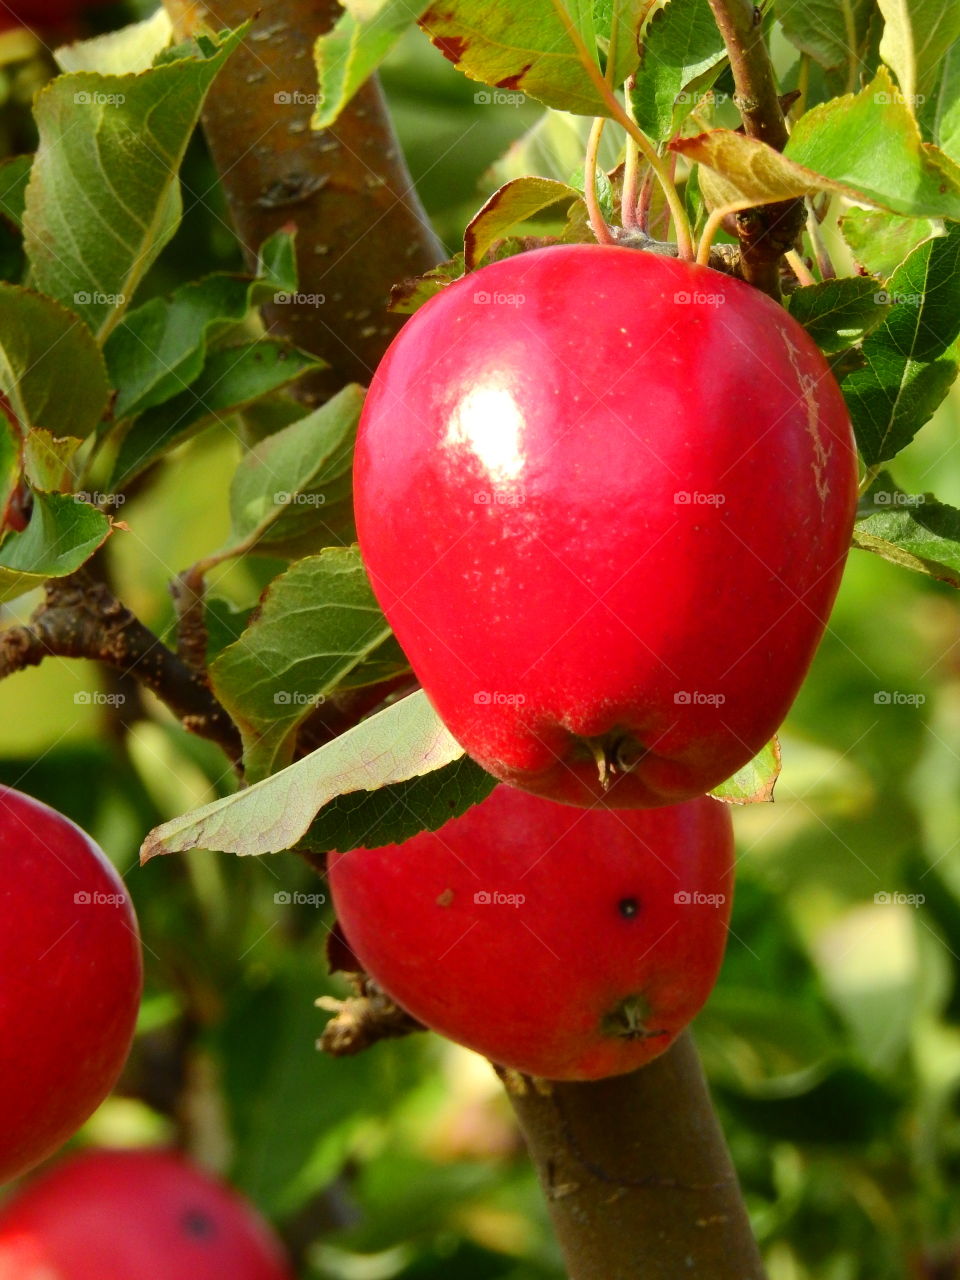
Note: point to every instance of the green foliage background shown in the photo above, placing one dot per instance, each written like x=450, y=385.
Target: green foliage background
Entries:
x=831, y=1041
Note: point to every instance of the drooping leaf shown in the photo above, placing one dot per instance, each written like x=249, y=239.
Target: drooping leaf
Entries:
x=506, y=208
x=754, y=783
x=911, y=357
x=232, y=378
x=406, y=740
x=63, y=534
x=681, y=43
x=318, y=629
x=837, y=313
x=913, y=530
x=51, y=370
x=371, y=819
x=916, y=36
x=90, y=242
x=880, y=241
x=131, y=49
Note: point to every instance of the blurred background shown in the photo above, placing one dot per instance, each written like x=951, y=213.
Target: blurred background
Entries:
x=831, y=1041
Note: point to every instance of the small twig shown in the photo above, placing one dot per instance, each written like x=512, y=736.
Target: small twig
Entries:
x=188, y=590
x=81, y=618
x=362, y=1020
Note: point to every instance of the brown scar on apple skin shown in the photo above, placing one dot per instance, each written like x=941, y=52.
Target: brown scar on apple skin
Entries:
x=445, y=899
x=808, y=390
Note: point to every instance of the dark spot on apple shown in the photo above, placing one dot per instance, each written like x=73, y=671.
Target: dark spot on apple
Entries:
x=198, y=1225
x=628, y=907
x=445, y=898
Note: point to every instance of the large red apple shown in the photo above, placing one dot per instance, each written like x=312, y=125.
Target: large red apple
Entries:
x=135, y=1215
x=70, y=979
x=604, y=498
x=568, y=943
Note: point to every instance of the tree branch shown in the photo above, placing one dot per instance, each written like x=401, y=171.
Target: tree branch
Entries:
x=360, y=223
x=81, y=618
x=769, y=231
x=637, y=1175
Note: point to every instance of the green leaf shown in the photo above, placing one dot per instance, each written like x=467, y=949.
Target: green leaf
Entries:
x=47, y=461
x=754, y=783
x=14, y=176
x=158, y=350
x=63, y=534
x=350, y=53
x=916, y=36
x=553, y=147
x=277, y=260
x=406, y=740
x=911, y=357
x=410, y=295
x=680, y=44
x=837, y=313
x=946, y=127
x=225, y=623
x=51, y=370
x=880, y=241
x=131, y=49
x=506, y=208
x=287, y=484
x=104, y=194
x=912, y=530
x=542, y=48
x=232, y=378
x=830, y=32
x=318, y=629
x=371, y=819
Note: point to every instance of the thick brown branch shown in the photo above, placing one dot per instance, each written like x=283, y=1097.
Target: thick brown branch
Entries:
x=360, y=223
x=769, y=231
x=636, y=1173
x=81, y=618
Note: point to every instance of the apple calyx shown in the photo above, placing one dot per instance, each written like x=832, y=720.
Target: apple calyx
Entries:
x=627, y=1020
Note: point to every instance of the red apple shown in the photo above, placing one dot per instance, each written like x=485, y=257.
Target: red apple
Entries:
x=605, y=498
x=568, y=943
x=135, y=1215
x=70, y=979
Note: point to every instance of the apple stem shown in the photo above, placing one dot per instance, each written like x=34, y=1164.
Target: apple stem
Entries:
x=824, y=262
x=710, y=229
x=799, y=268
x=629, y=198
x=598, y=223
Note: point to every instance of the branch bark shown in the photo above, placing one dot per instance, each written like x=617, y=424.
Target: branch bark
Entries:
x=637, y=1175
x=81, y=618
x=769, y=231
x=360, y=223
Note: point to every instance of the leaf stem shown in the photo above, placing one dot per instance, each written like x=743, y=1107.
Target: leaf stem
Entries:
x=799, y=268
x=598, y=223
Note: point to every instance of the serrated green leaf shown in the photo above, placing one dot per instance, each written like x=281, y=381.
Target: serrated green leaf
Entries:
x=47, y=460
x=837, y=313
x=880, y=241
x=371, y=819
x=318, y=628
x=350, y=53
x=277, y=260
x=232, y=378
x=410, y=295
x=14, y=176
x=911, y=357
x=104, y=193
x=830, y=32
x=63, y=534
x=129, y=50
x=406, y=740
x=913, y=530
x=680, y=44
x=916, y=36
x=288, y=482
x=51, y=370
x=541, y=49
x=946, y=115
x=754, y=783
x=506, y=208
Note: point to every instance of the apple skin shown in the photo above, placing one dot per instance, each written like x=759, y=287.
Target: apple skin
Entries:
x=606, y=523
x=546, y=985
x=70, y=979
x=134, y=1215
